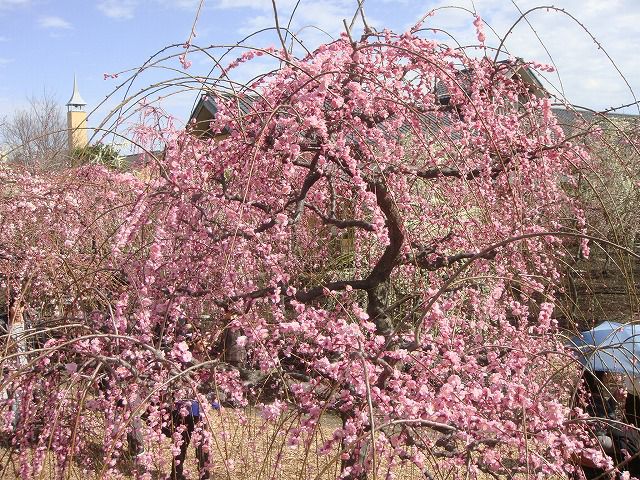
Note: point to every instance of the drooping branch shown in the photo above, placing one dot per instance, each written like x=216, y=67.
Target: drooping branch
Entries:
x=336, y=222
x=502, y=163
x=427, y=261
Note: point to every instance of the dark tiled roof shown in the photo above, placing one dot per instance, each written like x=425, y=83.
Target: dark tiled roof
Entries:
x=206, y=109
x=137, y=161
x=513, y=67
x=574, y=121
x=207, y=103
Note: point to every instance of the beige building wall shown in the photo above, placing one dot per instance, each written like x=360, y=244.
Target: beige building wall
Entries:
x=77, y=125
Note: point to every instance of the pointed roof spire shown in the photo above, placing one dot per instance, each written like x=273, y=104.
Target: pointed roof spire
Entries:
x=76, y=100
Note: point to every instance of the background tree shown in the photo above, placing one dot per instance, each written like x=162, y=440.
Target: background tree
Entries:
x=36, y=137
x=97, y=154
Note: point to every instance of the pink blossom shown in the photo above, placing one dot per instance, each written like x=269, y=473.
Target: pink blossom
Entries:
x=181, y=352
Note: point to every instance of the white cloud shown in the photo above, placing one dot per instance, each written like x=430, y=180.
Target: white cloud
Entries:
x=54, y=22
x=187, y=4
x=118, y=9
x=5, y=61
x=255, y=4
x=5, y=4
x=126, y=9
x=313, y=22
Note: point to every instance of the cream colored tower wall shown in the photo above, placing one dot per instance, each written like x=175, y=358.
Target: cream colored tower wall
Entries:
x=77, y=125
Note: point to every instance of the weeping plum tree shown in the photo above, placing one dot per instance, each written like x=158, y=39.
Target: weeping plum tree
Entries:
x=348, y=246
x=54, y=272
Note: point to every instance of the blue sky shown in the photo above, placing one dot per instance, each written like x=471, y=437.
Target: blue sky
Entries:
x=44, y=42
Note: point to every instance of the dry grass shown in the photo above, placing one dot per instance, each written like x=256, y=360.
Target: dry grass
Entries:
x=245, y=447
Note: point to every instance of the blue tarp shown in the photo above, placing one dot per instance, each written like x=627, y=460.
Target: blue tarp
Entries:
x=610, y=347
